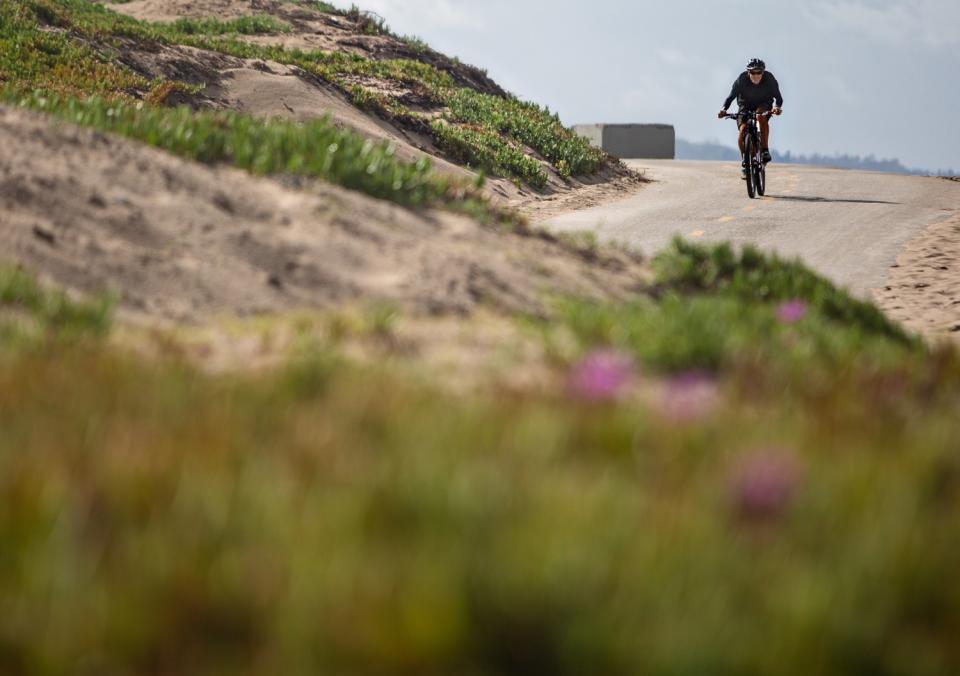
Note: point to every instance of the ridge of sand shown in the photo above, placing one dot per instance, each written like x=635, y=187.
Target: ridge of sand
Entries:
x=269, y=89
x=185, y=242
x=923, y=289
x=311, y=29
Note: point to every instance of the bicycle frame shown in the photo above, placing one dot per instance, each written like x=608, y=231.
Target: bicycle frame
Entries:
x=755, y=166
x=751, y=119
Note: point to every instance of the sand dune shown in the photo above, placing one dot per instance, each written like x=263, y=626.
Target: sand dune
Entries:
x=183, y=241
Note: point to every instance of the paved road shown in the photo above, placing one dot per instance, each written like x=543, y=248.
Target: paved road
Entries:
x=848, y=225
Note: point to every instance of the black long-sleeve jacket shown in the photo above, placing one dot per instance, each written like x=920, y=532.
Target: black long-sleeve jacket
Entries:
x=753, y=96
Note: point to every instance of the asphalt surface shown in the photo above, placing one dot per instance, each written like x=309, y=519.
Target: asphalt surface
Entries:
x=848, y=225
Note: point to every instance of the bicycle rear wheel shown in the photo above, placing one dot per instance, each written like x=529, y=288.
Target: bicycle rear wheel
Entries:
x=751, y=187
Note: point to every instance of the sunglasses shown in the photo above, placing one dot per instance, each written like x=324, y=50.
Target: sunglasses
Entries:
x=755, y=72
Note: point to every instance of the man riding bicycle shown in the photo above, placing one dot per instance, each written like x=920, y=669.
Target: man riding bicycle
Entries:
x=755, y=91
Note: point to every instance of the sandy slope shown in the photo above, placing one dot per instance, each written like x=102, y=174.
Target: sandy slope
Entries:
x=185, y=242
x=269, y=89
x=923, y=291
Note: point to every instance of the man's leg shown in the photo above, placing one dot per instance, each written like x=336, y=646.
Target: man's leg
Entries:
x=742, y=142
x=765, y=136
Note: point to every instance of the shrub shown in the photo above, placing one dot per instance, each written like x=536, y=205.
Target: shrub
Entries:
x=481, y=149
x=29, y=311
x=754, y=276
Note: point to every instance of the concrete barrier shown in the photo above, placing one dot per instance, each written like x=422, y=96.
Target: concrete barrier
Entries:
x=632, y=141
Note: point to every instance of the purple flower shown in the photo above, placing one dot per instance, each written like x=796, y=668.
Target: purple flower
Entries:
x=764, y=483
x=601, y=375
x=689, y=397
x=792, y=311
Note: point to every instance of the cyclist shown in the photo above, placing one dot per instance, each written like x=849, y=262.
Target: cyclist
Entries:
x=755, y=91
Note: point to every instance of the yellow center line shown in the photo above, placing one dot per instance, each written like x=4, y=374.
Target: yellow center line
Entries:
x=726, y=219
x=750, y=208
x=697, y=233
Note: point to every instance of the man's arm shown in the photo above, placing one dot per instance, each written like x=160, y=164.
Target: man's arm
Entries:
x=777, y=96
x=734, y=93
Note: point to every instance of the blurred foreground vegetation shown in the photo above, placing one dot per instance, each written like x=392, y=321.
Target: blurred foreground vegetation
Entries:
x=721, y=484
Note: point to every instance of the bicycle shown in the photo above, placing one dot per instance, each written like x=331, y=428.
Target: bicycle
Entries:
x=756, y=167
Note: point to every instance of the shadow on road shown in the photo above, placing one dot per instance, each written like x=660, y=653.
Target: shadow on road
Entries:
x=798, y=198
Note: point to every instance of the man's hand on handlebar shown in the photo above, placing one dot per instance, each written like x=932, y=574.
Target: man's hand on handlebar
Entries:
x=736, y=116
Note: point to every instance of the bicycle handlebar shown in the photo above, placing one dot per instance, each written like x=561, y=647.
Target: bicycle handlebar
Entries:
x=736, y=115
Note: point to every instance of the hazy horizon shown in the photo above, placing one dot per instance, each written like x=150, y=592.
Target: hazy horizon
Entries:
x=859, y=77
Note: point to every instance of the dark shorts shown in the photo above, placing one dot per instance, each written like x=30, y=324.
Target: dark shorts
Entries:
x=758, y=109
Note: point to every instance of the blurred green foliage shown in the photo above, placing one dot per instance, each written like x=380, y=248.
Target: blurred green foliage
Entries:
x=29, y=311
x=751, y=275
x=329, y=518
x=714, y=309
x=710, y=333
x=322, y=519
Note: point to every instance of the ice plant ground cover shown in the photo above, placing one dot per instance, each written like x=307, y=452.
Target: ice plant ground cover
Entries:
x=790, y=506
x=316, y=149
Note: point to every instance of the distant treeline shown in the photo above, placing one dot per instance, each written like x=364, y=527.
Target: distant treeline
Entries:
x=715, y=151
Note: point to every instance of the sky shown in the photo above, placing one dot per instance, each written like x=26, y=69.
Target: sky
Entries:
x=864, y=77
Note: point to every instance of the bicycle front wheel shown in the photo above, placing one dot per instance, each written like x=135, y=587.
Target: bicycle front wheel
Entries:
x=751, y=171
x=761, y=179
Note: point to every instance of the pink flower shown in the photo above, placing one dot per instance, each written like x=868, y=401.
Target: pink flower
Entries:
x=601, y=375
x=764, y=483
x=792, y=311
x=689, y=397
